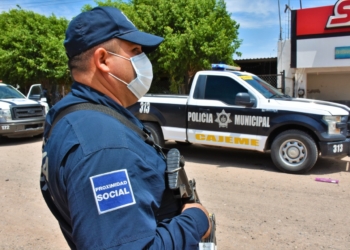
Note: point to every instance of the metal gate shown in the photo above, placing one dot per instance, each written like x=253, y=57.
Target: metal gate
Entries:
x=276, y=80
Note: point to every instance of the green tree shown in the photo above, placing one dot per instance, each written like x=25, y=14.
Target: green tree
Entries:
x=31, y=48
x=197, y=33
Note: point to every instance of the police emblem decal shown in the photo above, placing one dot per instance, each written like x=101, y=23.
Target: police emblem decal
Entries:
x=223, y=119
x=112, y=191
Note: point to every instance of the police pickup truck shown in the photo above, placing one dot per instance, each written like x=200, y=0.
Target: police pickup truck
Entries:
x=235, y=109
x=19, y=115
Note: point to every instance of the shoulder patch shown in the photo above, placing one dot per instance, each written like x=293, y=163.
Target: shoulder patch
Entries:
x=112, y=191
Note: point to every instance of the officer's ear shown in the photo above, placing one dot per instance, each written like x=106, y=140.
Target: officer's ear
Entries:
x=102, y=60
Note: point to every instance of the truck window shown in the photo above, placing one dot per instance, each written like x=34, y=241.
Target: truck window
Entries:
x=35, y=92
x=260, y=85
x=8, y=92
x=222, y=88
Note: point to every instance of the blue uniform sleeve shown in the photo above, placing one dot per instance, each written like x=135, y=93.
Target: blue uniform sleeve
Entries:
x=113, y=195
x=182, y=232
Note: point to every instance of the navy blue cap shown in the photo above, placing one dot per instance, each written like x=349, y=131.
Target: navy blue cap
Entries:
x=101, y=24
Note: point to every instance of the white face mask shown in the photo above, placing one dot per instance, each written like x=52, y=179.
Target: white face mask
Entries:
x=144, y=74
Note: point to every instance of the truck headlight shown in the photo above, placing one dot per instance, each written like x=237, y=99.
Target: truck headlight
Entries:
x=332, y=123
x=5, y=115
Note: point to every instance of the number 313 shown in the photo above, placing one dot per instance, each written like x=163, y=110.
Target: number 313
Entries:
x=144, y=107
x=338, y=148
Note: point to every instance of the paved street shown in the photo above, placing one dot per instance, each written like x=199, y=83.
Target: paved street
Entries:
x=256, y=206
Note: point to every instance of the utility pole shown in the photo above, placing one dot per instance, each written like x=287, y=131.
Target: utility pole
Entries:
x=279, y=13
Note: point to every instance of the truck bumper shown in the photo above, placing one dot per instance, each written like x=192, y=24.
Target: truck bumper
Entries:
x=335, y=149
x=27, y=129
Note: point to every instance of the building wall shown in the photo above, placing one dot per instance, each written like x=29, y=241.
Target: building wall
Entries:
x=329, y=86
x=320, y=52
x=311, y=58
x=283, y=63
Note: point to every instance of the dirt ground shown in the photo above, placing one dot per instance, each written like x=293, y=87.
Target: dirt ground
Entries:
x=256, y=207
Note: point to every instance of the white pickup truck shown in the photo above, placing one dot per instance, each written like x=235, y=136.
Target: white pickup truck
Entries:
x=237, y=109
x=22, y=116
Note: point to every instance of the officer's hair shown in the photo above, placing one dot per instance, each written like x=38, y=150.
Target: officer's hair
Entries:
x=80, y=63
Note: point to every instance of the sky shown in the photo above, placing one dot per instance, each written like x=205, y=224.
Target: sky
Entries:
x=260, y=25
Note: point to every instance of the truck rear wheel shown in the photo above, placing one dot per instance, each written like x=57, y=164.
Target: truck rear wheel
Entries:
x=156, y=132
x=294, y=151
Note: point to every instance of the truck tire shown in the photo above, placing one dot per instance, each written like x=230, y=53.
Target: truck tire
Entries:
x=156, y=132
x=294, y=151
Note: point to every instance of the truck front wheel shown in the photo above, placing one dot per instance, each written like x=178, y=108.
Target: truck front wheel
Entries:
x=294, y=151
x=156, y=132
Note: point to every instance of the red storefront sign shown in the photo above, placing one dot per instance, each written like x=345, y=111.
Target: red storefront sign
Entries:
x=341, y=17
x=324, y=20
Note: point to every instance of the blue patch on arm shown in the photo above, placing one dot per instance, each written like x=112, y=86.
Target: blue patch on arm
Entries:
x=112, y=191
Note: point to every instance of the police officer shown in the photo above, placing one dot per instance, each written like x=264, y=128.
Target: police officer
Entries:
x=103, y=183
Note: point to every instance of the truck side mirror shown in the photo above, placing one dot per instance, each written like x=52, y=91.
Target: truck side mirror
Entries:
x=243, y=99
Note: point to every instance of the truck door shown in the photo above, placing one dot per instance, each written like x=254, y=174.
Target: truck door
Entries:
x=36, y=93
x=214, y=119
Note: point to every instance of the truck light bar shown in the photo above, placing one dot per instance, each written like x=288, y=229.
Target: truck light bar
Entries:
x=224, y=67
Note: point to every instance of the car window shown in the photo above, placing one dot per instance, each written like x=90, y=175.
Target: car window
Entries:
x=8, y=92
x=36, y=90
x=222, y=88
x=260, y=85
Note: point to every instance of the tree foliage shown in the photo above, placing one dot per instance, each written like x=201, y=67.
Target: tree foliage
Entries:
x=196, y=33
x=31, y=48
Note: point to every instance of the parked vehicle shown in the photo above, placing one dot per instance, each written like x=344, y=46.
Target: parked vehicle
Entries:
x=22, y=116
x=235, y=109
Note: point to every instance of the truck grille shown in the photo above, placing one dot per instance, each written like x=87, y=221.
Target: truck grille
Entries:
x=28, y=112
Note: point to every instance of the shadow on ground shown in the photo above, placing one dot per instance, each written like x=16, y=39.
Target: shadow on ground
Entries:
x=5, y=142
x=226, y=157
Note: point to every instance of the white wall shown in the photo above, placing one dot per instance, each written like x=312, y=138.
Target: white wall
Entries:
x=283, y=63
x=318, y=73
x=320, y=52
x=300, y=82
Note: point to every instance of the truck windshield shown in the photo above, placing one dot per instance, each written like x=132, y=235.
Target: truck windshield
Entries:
x=260, y=85
x=9, y=92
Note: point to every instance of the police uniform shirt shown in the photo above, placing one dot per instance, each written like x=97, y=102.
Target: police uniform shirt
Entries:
x=108, y=183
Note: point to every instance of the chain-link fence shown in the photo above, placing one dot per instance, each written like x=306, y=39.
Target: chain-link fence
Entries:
x=276, y=80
